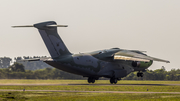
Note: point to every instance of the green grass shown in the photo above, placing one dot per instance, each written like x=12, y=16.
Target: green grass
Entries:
x=27, y=81
x=124, y=85
x=97, y=88
x=59, y=96
x=82, y=85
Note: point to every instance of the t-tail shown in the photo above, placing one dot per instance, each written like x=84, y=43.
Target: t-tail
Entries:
x=53, y=42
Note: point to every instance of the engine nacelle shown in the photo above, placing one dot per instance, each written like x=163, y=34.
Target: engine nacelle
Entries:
x=141, y=64
x=136, y=64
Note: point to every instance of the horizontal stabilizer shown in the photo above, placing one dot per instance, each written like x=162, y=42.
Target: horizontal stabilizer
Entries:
x=56, y=25
x=35, y=59
x=46, y=26
x=23, y=26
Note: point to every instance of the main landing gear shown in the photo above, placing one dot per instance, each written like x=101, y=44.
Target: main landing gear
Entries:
x=139, y=74
x=92, y=79
x=114, y=80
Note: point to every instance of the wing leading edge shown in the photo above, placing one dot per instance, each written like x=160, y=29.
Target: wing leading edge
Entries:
x=133, y=56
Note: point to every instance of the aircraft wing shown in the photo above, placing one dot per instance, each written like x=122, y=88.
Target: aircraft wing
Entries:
x=133, y=56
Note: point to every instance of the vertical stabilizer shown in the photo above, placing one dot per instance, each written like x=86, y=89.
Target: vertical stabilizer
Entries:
x=53, y=42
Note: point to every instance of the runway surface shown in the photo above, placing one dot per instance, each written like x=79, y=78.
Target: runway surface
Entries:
x=125, y=92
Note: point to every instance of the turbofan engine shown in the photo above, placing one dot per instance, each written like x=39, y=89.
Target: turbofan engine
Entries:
x=139, y=64
x=136, y=64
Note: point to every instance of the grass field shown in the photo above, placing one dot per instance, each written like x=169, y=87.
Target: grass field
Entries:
x=57, y=96
x=82, y=85
x=96, y=88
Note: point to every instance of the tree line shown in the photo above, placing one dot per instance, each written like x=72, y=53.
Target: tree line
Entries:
x=40, y=70
x=158, y=74
x=17, y=71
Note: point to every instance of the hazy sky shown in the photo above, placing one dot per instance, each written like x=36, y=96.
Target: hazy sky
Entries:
x=148, y=25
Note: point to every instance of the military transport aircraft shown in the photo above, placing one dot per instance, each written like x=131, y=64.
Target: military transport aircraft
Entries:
x=114, y=63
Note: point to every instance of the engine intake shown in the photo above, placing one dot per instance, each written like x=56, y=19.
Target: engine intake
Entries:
x=136, y=64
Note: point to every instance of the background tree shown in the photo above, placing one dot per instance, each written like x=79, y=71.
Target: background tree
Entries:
x=40, y=70
x=17, y=67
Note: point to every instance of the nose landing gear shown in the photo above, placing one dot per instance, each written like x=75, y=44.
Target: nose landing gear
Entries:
x=139, y=74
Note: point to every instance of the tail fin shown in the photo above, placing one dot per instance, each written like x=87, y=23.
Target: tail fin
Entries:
x=53, y=42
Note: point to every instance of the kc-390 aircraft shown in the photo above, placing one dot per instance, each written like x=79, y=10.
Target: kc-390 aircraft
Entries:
x=114, y=63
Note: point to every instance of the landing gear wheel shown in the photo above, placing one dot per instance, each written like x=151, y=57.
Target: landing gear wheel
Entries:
x=139, y=74
x=91, y=80
x=113, y=80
